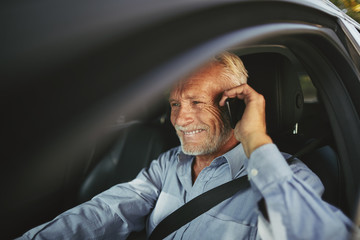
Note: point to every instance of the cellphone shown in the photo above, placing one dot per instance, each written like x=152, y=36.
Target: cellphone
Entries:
x=235, y=109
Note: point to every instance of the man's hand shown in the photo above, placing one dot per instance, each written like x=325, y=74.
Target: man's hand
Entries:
x=251, y=129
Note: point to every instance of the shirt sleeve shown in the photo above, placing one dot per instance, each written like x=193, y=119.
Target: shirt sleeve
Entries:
x=113, y=214
x=293, y=199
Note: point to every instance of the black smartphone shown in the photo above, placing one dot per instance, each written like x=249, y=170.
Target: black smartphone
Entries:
x=235, y=109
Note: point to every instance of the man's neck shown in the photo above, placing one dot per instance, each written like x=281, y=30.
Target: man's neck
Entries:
x=203, y=161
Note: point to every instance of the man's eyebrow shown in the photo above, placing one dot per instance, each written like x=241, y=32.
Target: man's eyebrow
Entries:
x=201, y=97
x=192, y=97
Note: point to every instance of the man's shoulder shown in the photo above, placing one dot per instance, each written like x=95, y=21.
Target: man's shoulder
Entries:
x=172, y=152
x=170, y=156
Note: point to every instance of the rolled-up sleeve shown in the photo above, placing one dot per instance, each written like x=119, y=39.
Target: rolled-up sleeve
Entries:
x=293, y=199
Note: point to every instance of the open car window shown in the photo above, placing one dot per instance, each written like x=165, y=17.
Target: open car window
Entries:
x=74, y=86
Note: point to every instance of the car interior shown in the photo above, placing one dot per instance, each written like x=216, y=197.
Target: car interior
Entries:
x=296, y=120
x=294, y=124
x=64, y=75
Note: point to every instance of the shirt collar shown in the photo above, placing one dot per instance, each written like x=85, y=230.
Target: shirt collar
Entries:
x=235, y=157
x=182, y=156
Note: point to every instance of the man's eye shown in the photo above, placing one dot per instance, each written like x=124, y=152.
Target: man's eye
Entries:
x=196, y=102
x=174, y=104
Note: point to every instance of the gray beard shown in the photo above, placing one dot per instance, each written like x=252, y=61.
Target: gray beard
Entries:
x=210, y=146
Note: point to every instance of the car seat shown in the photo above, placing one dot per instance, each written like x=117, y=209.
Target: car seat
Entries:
x=277, y=78
x=132, y=148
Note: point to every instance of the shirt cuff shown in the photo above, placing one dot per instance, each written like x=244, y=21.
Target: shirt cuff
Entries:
x=266, y=166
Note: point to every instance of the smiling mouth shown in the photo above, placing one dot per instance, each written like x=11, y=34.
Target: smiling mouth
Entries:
x=193, y=132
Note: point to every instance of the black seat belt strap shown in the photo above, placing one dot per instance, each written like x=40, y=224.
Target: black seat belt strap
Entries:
x=198, y=206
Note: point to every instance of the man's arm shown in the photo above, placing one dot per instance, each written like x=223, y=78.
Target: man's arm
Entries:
x=292, y=198
x=294, y=209
x=112, y=214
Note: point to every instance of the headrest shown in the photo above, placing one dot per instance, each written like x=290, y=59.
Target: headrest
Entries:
x=276, y=78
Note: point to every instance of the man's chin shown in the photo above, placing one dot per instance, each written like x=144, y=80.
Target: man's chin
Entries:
x=196, y=151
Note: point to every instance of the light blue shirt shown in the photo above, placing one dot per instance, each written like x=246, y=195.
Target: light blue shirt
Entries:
x=292, y=194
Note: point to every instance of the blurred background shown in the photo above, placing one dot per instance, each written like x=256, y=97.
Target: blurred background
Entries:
x=350, y=7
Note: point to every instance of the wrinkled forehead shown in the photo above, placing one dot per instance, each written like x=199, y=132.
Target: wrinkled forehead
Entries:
x=206, y=81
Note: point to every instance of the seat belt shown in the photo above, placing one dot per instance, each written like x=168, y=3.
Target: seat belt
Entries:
x=198, y=206
x=207, y=200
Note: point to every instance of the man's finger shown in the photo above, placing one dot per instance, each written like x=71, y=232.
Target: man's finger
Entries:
x=235, y=92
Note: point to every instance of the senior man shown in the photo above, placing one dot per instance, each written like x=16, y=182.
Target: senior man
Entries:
x=211, y=153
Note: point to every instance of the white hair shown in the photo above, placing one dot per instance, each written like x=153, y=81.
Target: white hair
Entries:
x=234, y=69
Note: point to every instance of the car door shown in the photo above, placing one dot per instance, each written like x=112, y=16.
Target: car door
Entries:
x=68, y=70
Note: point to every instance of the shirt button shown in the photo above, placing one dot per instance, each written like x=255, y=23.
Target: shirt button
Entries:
x=254, y=172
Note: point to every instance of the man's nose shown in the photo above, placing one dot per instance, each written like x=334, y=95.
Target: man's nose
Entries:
x=184, y=116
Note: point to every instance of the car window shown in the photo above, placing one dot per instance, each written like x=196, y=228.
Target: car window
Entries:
x=61, y=89
x=308, y=88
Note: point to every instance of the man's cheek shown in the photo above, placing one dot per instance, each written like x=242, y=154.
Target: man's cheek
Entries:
x=214, y=115
x=172, y=119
